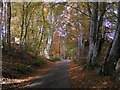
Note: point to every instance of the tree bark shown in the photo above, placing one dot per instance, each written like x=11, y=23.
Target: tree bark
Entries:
x=92, y=35
x=8, y=26
x=99, y=38
x=4, y=30
x=96, y=39
x=42, y=33
x=1, y=6
x=80, y=37
x=51, y=32
x=22, y=28
x=114, y=53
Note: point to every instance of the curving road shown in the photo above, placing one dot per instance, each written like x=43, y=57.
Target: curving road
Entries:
x=55, y=78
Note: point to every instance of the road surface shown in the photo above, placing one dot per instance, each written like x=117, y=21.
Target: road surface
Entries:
x=57, y=77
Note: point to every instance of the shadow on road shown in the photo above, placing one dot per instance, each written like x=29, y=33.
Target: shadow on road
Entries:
x=57, y=77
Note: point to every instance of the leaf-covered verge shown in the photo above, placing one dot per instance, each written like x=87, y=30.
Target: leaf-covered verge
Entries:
x=81, y=78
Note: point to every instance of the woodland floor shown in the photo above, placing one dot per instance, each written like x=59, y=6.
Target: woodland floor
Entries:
x=81, y=78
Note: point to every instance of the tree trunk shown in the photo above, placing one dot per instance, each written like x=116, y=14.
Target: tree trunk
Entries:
x=22, y=24
x=114, y=54
x=38, y=51
x=51, y=32
x=92, y=35
x=4, y=31
x=80, y=37
x=96, y=39
x=1, y=6
x=99, y=38
x=22, y=30
x=8, y=26
x=42, y=33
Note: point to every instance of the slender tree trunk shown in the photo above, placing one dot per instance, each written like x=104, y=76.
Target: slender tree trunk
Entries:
x=41, y=38
x=1, y=10
x=114, y=53
x=45, y=46
x=3, y=24
x=80, y=37
x=8, y=26
x=1, y=6
x=50, y=46
x=22, y=28
x=4, y=15
x=51, y=32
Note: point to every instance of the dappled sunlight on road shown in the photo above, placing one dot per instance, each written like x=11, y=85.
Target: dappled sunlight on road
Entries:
x=10, y=81
x=34, y=84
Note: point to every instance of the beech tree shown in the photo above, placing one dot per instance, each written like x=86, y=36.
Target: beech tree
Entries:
x=92, y=35
x=96, y=37
x=109, y=65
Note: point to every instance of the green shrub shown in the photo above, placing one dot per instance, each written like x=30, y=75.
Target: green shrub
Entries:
x=41, y=60
x=23, y=68
x=56, y=58
x=37, y=63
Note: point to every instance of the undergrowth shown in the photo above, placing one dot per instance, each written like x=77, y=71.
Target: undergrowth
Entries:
x=55, y=58
x=15, y=67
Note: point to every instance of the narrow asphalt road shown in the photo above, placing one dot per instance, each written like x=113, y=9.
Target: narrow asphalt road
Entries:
x=57, y=77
